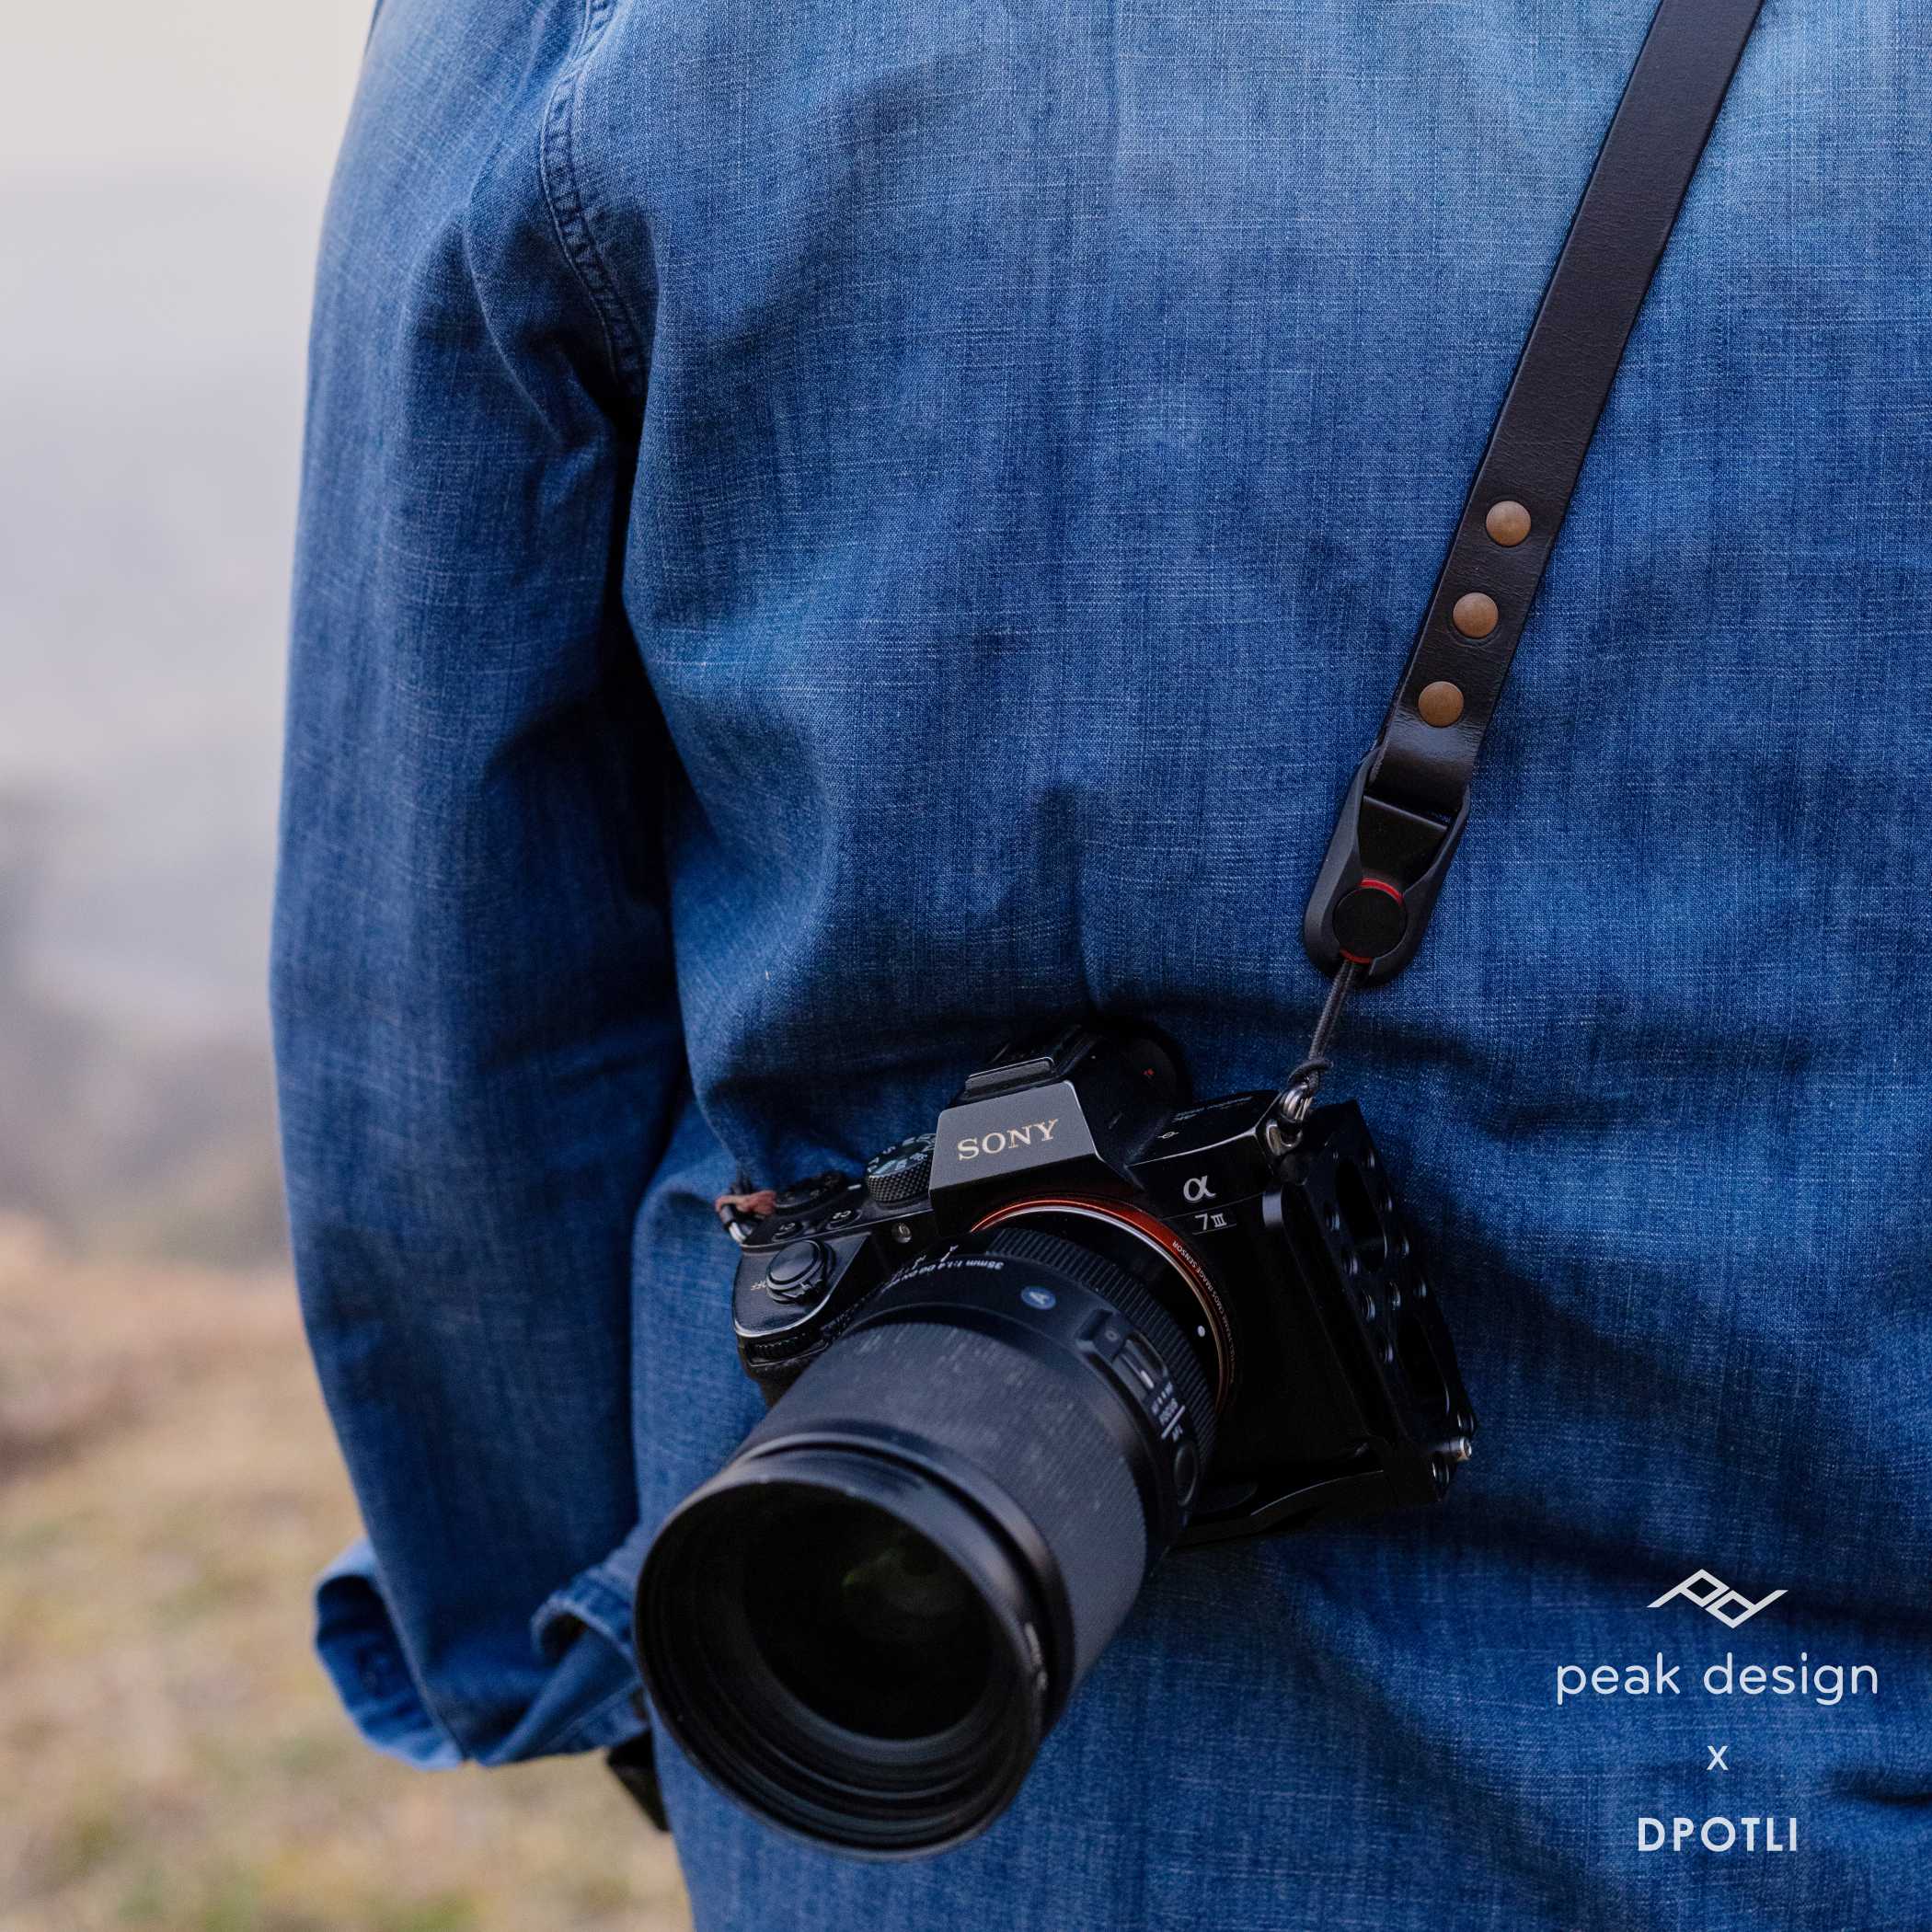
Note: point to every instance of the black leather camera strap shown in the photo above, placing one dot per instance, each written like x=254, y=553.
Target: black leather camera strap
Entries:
x=1405, y=811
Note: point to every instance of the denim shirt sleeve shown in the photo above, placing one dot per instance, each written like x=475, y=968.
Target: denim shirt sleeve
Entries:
x=476, y=1041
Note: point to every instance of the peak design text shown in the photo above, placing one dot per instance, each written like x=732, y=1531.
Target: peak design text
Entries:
x=1826, y=1683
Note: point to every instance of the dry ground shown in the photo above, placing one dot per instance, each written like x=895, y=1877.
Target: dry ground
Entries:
x=169, y=1756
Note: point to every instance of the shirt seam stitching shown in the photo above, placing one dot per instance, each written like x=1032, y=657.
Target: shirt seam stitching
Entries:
x=586, y=1730
x=570, y=216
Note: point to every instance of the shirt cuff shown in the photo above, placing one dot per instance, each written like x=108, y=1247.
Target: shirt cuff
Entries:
x=597, y=1603
x=590, y=1699
x=356, y=1640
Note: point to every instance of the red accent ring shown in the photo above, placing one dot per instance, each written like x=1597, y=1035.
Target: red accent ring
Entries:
x=1370, y=885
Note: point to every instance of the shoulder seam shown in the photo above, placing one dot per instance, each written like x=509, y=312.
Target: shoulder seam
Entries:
x=563, y=194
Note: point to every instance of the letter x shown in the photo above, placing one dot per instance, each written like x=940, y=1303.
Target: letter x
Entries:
x=1717, y=1758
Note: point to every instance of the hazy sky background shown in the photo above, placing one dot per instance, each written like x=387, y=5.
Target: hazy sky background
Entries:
x=162, y=171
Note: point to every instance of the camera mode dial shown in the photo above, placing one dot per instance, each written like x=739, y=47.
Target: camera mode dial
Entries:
x=901, y=1172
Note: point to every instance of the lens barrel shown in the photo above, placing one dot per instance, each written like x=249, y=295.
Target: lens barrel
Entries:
x=866, y=1623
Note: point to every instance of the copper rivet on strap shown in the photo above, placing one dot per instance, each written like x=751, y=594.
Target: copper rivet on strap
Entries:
x=1508, y=523
x=1475, y=614
x=1440, y=703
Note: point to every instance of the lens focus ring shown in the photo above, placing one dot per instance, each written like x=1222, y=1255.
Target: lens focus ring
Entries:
x=1139, y=1310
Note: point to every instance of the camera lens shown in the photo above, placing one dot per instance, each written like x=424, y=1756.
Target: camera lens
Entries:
x=864, y=1620
x=866, y=1623
x=844, y=1647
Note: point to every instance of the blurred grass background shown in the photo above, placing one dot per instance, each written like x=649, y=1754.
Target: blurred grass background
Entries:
x=170, y=1756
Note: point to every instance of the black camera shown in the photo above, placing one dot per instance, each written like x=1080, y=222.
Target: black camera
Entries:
x=1081, y=1322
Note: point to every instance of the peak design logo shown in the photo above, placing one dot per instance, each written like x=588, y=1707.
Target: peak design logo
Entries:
x=1725, y=1604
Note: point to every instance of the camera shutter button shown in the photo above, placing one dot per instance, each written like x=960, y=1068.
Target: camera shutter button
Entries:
x=794, y=1271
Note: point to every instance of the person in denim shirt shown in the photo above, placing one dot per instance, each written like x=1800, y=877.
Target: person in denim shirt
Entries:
x=833, y=534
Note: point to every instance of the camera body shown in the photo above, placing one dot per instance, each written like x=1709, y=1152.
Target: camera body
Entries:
x=1082, y=1321
x=1280, y=1252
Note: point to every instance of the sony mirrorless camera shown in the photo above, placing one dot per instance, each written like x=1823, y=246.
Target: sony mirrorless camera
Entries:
x=1083, y=1320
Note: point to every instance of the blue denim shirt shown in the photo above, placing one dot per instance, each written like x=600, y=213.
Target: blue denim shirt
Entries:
x=830, y=533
